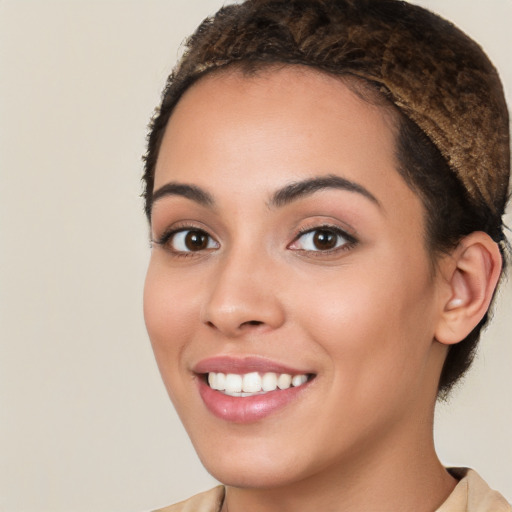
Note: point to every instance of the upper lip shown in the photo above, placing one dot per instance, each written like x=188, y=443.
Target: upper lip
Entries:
x=241, y=365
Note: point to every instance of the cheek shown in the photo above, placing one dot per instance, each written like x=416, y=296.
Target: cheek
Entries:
x=374, y=325
x=171, y=318
x=168, y=313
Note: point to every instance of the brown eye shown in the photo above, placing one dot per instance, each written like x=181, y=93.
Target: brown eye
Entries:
x=196, y=241
x=324, y=240
x=192, y=240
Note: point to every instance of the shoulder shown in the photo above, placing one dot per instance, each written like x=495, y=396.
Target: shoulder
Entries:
x=209, y=501
x=472, y=494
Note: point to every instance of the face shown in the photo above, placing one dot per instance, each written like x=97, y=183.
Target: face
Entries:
x=288, y=248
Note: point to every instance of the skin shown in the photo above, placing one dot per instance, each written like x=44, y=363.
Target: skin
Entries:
x=363, y=318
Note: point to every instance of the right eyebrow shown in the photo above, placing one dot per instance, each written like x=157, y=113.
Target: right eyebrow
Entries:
x=307, y=187
x=192, y=192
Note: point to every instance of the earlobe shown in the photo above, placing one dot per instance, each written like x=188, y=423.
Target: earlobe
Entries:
x=473, y=274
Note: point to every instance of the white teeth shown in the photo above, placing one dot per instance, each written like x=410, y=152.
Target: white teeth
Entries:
x=217, y=380
x=284, y=381
x=253, y=383
x=221, y=381
x=269, y=382
x=298, y=380
x=233, y=383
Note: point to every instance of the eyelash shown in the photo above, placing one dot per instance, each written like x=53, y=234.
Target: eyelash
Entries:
x=168, y=237
x=350, y=241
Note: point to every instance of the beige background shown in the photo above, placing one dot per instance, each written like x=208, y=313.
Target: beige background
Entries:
x=85, y=424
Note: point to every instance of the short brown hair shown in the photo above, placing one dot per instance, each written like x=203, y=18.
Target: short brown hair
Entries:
x=453, y=135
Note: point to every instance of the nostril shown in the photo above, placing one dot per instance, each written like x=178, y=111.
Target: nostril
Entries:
x=249, y=323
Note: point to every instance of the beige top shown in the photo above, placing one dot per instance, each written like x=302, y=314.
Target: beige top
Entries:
x=471, y=494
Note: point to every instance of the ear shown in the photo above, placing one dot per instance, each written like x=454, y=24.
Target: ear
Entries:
x=470, y=278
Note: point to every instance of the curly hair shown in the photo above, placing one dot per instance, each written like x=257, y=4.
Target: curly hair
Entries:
x=452, y=140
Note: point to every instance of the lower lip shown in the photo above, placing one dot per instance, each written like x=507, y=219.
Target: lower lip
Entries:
x=247, y=409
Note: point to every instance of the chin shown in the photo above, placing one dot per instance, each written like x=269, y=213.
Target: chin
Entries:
x=260, y=460
x=252, y=474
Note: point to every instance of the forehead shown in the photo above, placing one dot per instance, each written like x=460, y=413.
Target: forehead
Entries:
x=285, y=85
x=242, y=138
x=264, y=116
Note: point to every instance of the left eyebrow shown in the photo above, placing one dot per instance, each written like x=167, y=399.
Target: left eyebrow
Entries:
x=304, y=188
x=191, y=192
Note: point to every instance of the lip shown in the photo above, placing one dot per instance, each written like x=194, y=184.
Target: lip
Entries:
x=246, y=409
x=230, y=364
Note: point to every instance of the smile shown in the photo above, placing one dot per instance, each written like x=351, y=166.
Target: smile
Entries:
x=249, y=389
x=253, y=383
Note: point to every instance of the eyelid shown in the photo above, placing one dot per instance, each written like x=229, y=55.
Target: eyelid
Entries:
x=171, y=228
x=350, y=240
x=168, y=235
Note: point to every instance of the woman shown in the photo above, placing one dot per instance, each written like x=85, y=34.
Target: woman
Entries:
x=325, y=181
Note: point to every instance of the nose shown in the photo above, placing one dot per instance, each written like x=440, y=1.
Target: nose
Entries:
x=243, y=297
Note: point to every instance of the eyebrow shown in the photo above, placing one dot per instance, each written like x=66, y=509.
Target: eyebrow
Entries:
x=282, y=197
x=301, y=189
x=192, y=192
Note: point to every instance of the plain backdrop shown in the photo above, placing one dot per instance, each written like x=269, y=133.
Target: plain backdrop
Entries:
x=85, y=424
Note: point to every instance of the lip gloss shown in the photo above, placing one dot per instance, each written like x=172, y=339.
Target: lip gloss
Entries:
x=246, y=409
x=241, y=365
